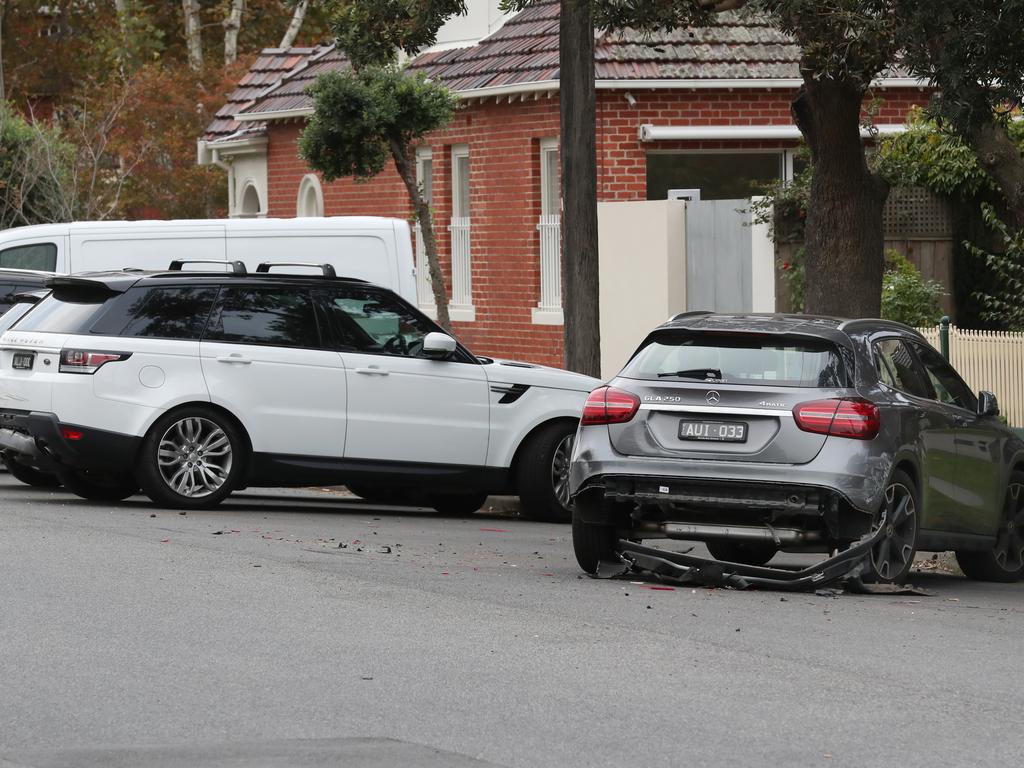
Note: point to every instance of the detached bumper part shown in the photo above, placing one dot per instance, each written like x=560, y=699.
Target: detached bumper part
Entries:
x=689, y=569
x=37, y=438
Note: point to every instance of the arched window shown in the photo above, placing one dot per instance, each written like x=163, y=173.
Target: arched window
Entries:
x=250, y=206
x=311, y=197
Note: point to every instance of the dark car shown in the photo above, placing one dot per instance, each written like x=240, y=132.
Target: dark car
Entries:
x=761, y=433
x=16, y=281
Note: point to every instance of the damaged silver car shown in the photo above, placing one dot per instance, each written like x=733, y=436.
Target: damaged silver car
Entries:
x=757, y=434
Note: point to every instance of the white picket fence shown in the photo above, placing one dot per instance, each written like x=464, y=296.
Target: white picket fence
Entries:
x=989, y=360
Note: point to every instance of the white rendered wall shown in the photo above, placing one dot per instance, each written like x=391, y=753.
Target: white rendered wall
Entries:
x=642, y=253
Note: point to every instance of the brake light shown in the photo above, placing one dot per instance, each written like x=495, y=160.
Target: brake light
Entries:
x=86, y=361
x=68, y=433
x=854, y=417
x=607, y=405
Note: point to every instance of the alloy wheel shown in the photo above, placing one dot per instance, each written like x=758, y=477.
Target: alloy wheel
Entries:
x=194, y=457
x=891, y=556
x=1009, y=549
x=560, y=470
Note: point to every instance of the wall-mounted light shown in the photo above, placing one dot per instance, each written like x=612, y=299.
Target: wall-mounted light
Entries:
x=630, y=99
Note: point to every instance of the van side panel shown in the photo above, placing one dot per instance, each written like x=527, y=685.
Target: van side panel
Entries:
x=365, y=256
x=149, y=249
x=405, y=263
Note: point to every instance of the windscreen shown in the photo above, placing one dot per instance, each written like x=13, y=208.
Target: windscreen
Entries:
x=65, y=312
x=738, y=359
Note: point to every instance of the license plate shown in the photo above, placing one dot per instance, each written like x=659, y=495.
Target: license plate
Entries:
x=23, y=360
x=718, y=431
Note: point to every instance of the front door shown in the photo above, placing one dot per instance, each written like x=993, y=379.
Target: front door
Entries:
x=264, y=360
x=403, y=407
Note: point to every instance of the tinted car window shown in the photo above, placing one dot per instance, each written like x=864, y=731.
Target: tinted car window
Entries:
x=368, y=320
x=66, y=312
x=14, y=314
x=900, y=369
x=738, y=360
x=42, y=256
x=279, y=317
x=7, y=293
x=162, y=313
x=948, y=387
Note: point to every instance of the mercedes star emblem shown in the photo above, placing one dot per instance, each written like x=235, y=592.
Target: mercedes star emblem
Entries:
x=712, y=397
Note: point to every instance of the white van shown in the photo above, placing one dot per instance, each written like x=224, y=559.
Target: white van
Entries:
x=375, y=249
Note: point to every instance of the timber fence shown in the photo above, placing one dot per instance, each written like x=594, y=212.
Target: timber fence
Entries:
x=990, y=360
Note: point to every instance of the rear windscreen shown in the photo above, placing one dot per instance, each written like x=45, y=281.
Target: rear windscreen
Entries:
x=65, y=312
x=14, y=314
x=737, y=359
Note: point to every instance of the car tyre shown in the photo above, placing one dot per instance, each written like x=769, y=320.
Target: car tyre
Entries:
x=456, y=504
x=96, y=486
x=891, y=558
x=30, y=475
x=1005, y=561
x=592, y=542
x=192, y=458
x=542, y=475
x=745, y=552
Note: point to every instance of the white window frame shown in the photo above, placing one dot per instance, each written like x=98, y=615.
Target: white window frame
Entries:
x=309, y=181
x=461, y=238
x=549, y=235
x=424, y=292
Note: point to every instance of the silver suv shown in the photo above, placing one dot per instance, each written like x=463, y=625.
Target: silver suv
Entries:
x=761, y=433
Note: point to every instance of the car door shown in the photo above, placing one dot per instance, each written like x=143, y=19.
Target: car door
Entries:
x=978, y=447
x=930, y=425
x=265, y=361
x=403, y=407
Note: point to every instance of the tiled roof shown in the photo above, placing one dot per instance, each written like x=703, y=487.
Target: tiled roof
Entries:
x=525, y=51
x=271, y=65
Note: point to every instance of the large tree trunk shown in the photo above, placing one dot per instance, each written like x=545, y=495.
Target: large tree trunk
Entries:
x=844, y=243
x=3, y=17
x=579, y=189
x=193, y=34
x=298, y=15
x=1000, y=158
x=232, y=26
x=407, y=170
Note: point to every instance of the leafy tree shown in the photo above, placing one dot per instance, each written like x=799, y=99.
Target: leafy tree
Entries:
x=973, y=53
x=1002, y=305
x=35, y=166
x=907, y=296
x=377, y=109
x=363, y=117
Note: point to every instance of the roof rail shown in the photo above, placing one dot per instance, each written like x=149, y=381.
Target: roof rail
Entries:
x=327, y=269
x=237, y=267
x=693, y=313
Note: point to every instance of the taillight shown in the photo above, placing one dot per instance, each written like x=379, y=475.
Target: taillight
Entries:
x=607, y=405
x=856, y=418
x=86, y=361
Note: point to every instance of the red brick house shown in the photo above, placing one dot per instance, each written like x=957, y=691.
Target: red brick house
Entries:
x=704, y=109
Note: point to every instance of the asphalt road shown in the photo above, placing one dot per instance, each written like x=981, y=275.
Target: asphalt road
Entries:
x=248, y=636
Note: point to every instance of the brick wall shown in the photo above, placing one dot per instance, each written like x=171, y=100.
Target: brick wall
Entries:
x=503, y=141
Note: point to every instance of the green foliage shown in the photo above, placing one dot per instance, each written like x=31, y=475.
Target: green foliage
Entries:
x=783, y=206
x=1004, y=306
x=35, y=171
x=907, y=297
x=370, y=32
x=928, y=156
x=361, y=118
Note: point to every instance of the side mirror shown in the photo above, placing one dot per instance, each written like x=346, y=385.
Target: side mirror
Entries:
x=987, y=405
x=438, y=346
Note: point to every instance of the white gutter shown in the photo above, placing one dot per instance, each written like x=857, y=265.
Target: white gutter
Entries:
x=650, y=132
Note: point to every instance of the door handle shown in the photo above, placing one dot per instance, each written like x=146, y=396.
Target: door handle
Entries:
x=373, y=370
x=234, y=359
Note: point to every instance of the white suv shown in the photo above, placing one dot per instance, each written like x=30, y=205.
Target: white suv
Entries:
x=194, y=384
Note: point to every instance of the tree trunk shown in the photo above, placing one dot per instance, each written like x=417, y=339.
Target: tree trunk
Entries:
x=407, y=170
x=193, y=34
x=3, y=17
x=579, y=189
x=844, y=243
x=232, y=26
x=1000, y=158
x=298, y=16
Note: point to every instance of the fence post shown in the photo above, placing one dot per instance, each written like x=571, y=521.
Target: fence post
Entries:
x=944, y=336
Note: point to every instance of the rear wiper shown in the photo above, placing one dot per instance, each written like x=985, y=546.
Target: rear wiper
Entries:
x=694, y=373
